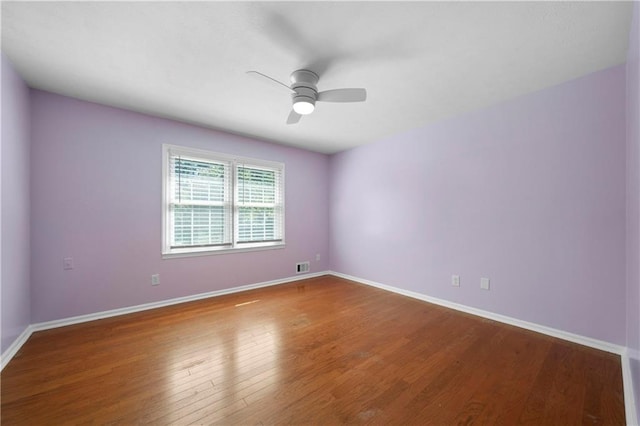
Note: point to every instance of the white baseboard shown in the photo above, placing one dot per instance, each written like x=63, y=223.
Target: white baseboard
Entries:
x=17, y=344
x=15, y=347
x=631, y=411
x=587, y=341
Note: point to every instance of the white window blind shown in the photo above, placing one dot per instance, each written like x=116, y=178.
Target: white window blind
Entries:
x=214, y=202
x=259, y=204
x=200, y=206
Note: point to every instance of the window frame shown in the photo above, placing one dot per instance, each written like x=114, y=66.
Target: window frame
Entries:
x=234, y=162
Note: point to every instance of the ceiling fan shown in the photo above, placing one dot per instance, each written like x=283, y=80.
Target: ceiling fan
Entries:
x=304, y=93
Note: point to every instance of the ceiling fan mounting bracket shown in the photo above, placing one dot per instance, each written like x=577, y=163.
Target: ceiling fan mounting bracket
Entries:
x=304, y=78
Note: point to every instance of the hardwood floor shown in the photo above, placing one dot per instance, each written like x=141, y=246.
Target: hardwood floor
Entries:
x=319, y=351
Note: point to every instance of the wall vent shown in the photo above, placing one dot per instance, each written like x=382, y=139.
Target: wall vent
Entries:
x=302, y=267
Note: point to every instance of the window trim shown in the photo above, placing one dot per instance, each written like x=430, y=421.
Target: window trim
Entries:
x=235, y=247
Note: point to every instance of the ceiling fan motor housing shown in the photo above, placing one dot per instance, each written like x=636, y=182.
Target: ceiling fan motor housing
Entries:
x=303, y=82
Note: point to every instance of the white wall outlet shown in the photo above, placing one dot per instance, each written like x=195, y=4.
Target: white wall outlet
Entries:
x=67, y=263
x=484, y=283
x=455, y=280
x=155, y=279
x=318, y=257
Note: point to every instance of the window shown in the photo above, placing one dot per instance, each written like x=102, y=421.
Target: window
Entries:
x=215, y=203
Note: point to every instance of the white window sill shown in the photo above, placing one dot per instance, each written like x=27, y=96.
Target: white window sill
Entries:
x=208, y=251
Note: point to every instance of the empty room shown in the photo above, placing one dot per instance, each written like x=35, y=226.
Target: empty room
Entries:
x=237, y=213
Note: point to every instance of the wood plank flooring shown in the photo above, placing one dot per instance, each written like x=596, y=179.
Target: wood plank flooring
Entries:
x=318, y=351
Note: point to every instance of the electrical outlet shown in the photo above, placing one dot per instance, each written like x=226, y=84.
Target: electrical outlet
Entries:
x=67, y=263
x=484, y=283
x=455, y=280
x=318, y=257
x=155, y=279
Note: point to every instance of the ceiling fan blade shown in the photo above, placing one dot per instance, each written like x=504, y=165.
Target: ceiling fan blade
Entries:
x=265, y=77
x=343, y=95
x=293, y=118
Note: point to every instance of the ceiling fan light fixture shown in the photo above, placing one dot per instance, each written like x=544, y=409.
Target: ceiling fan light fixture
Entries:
x=303, y=106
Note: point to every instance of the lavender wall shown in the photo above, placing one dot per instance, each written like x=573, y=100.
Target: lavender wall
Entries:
x=633, y=202
x=96, y=182
x=530, y=193
x=15, y=256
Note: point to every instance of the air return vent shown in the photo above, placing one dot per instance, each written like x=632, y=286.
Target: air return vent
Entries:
x=302, y=267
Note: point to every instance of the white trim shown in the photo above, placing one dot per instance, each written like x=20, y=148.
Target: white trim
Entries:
x=208, y=252
x=153, y=305
x=631, y=411
x=17, y=344
x=13, y=349
x=575, y=338
x=231, y=162
x=190, y=152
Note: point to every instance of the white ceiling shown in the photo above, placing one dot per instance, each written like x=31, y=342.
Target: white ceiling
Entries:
x=419, y=61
